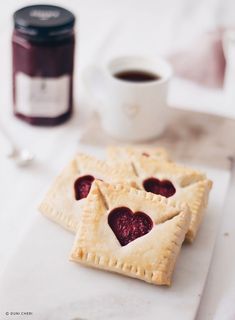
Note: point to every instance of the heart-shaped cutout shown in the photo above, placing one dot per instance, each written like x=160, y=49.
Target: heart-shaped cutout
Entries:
x=82, y=186
x=128, y=226
x=131, y=110
x=164, y=188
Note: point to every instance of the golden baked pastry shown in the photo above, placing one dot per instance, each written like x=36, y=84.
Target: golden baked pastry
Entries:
x=64, y=201
x=130, y=231
x=176, y=182
x=122, y=153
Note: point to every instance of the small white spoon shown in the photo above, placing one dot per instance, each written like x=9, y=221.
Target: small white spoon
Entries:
x=21, y=156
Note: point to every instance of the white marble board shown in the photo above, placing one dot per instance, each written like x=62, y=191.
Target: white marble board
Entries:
x=40, y=279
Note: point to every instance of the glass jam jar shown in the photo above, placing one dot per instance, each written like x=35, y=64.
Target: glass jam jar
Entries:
x=43, y=59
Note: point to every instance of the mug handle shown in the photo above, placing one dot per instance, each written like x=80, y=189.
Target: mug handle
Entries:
x=92, y=76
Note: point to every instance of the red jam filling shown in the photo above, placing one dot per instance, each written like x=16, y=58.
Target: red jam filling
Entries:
x=45, y=60
x=145, y=154
x=128, y=226
x=164, y=188
x=82, y=186
x=43, y=45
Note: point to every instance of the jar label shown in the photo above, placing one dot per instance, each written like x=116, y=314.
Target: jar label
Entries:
x=42, y=97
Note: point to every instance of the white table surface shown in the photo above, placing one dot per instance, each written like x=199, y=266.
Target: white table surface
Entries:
x=96, y=19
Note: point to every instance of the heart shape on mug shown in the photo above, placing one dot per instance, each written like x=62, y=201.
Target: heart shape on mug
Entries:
x=127, y=225
x=164, y=188
x=82, y=186
x=131, y=110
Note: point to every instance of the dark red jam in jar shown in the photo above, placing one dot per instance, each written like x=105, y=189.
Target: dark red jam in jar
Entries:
x=43, y=59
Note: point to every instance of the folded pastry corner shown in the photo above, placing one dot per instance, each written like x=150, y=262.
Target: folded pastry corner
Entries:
x=131, y=232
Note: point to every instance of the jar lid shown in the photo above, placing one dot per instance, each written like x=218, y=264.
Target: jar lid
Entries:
x=43, y=22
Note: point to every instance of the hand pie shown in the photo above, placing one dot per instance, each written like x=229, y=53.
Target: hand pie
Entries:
x=130, y=231
x=117, y=154
x=64, y=201
x=175, y=182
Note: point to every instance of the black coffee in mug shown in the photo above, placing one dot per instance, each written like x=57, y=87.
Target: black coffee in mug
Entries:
x=137, y=76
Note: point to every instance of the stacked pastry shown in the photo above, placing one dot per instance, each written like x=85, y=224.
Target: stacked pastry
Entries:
x=130, y=213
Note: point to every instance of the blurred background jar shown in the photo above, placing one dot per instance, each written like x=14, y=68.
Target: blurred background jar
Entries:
x=43, y=60
x=229, y=81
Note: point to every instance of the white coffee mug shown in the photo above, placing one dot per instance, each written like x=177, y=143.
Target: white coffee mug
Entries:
x=130, y=111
